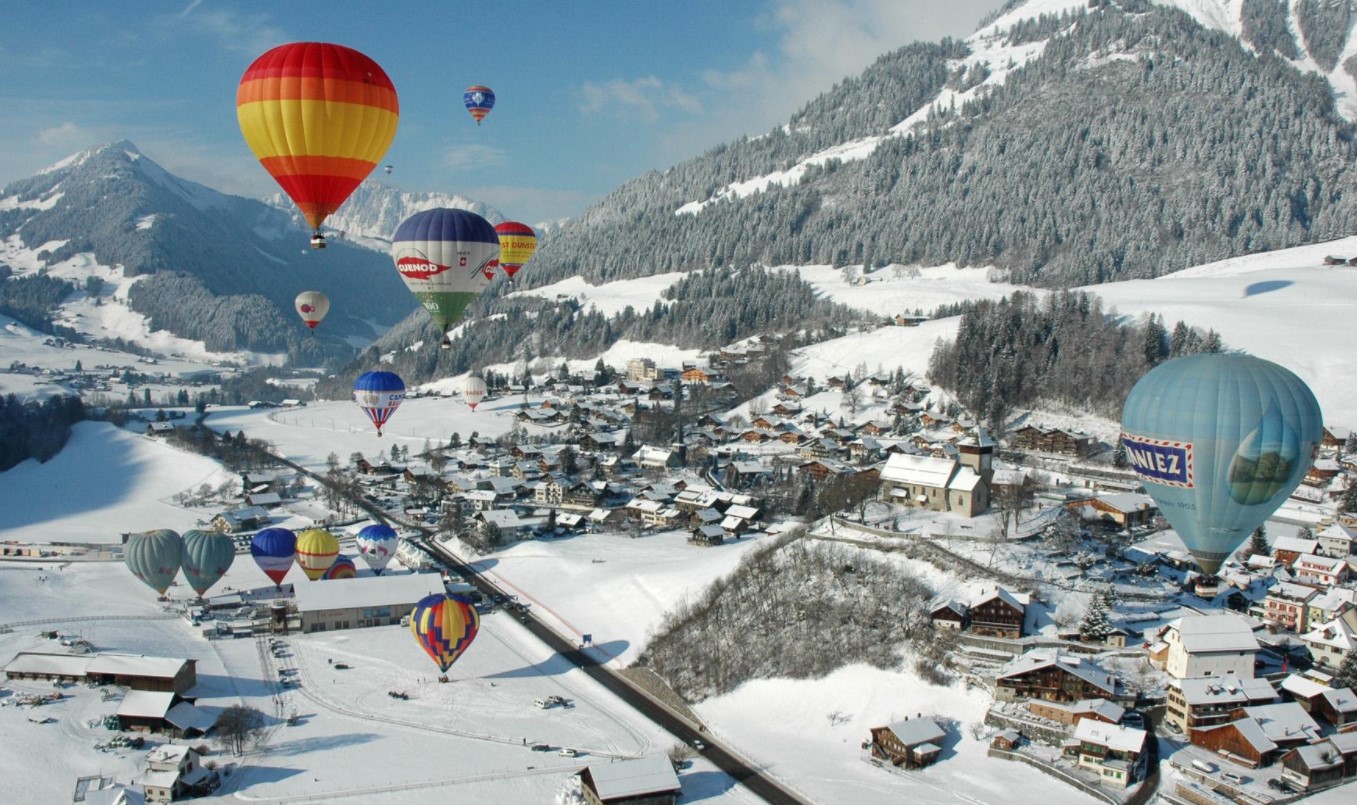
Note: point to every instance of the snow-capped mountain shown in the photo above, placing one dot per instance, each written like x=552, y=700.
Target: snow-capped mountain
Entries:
x=184, y=260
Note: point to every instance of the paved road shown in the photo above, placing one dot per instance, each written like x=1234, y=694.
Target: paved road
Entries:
x=755, y=780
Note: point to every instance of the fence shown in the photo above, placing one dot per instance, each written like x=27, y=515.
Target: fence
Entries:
x=1091, y=790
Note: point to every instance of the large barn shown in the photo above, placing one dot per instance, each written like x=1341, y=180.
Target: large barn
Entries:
x=362, y=601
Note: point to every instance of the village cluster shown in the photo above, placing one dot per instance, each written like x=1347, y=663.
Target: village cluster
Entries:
x=1241, y=682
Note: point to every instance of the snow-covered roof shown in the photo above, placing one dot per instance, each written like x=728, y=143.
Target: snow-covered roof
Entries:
x=920, y=470
x=1320, y=756
x=1284, y=722
x=628, y=778
x=146, y=703
x=1252, y=732
x=117, y=794
x=1081, y=668
x=1294, y=545
x=913, y=732
x=158, y=779
x=1227, y=689
x=1206, y=634
x=1342, y=700
x=169, y=754
x=135, y=665
x=1323, y=564
x=1302, y=688
x=187, y=716
x=1117, y=737
x=367, y=591
x=1336, y=634
x=44, y=664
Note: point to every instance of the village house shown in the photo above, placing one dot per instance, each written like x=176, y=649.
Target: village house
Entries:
x=1060, y=441
x=1322, y=764
x=1288, y=605
x=912, y=743
x=1321, y=570
x=1112, y=751
x=1330, y=642
x=708, y=535
x=1331, y=603
x=950, y=614
x=1259, y=735
x=1070, y=713
x=998, y=612
x=655, y=458
x=1211, y=700
x=245, y=519
x=938, y=484
x=1287, y=549
x=1336, y=540
x=641, y=781
x=1206, y=645
x=1122, y=509
x=173, y=771
x=1053, y=677
x=163, y=712
x=1336, y=706
x=511, y=527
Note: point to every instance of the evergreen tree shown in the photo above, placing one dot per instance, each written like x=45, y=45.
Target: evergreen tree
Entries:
x=1119, y=459
x=1347, y=672
x=1258, y=542
x=1096, y=626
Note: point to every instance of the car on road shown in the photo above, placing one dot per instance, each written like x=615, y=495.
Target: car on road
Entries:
x=567, y=752
x=699, y=745
x=1133, y=718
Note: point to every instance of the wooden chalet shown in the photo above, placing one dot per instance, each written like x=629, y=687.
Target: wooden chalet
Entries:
x=998, y=613
x=950, y=614
x=1053, y=440
x=912, y=743
x=1322, y=764
x=1056, y=678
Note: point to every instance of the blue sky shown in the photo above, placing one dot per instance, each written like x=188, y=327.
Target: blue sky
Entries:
x=590, y=94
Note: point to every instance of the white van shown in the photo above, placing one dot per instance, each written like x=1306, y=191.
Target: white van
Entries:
x=1203, y=767
x=543, y=703
x=1231, y=777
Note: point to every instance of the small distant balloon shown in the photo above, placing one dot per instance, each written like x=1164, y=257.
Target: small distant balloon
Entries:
x=388, y=170
x=473, y=391
x=312, y=306
x=479, y=101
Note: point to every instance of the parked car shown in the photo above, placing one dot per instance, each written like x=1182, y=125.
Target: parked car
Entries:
x=567, y=752
x=541, y=747
x=699, y=745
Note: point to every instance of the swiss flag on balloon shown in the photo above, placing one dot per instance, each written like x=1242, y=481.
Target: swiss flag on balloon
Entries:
x=462, y=261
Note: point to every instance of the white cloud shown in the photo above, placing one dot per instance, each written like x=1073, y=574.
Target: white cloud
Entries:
x=459, y=157
x=65, y=135
x=643, y=97
x=233, y=30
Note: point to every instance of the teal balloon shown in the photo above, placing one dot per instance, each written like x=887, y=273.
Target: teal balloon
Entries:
x=154, y=557
x=1220, y=441
x=207, y=557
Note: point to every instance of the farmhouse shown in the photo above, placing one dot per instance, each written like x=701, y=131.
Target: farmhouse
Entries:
x=643, y=781
x=912, y=743
x=363, y=600
x=1056, y=678
x=1330, y=642
x=998, y=613
x=164, y=712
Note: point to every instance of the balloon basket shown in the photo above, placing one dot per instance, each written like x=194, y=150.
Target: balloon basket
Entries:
x=1207, y=587
x=318, y=241
x=442, y=679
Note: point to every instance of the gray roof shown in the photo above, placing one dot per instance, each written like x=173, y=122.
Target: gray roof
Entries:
x=366, y=591
x=146, y=703
x=187, y=716
x=1216, y=633
x=1285, y=722
x=1227, y=689
x=135, y=665
x=913, y=732
x=629, y=778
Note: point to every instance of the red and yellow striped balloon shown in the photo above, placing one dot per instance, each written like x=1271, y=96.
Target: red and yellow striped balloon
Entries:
x=319, y=117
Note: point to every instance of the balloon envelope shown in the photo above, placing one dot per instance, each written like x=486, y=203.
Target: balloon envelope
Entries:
x=319, y=117
x=379, y=394
x=479, y=101
x=517, y=242
x=377, y=544
x=473, y=391
x=312, y=307
x=273, y=550
x=316, y=551
x=155, y=557
x=1220, y=441
x=444, y=625
x=442, y=255
x=207, y=557
x=342, y=568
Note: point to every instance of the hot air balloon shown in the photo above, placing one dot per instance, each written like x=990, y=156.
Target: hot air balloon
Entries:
x=517, y=242
x=343, y=568
x=273, y=550
x=379, y=394
x=479, y=101
x=445, y=625
x=473, y=391
x=1220, y=441
x=388, y=170
x=442, y=255
x=155, y=557
x=377, y=544
x=319, y=117
x=316, y=551
x=312, y=307
x=207, y=557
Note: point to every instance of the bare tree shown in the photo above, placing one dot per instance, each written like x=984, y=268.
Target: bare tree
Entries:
x=239, y=727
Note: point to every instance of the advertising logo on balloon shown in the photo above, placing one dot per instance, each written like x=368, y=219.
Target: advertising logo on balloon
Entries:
x=413, y=265
x=1161, y=461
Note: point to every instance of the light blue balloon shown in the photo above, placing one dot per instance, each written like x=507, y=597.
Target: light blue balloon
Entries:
x=1220, y=441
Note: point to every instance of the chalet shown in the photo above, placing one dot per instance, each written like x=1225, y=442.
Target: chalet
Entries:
x=1285, y=725
x=581, y=496
x=1319, y=765
x=511, y=526
x=1072, y=713
x=950, y=614
x=1124, y=509
x=174, y=771
x=643, y=781
x=1321, y=570
x=1053, y=440
x=1206, y=645
x=998, y=613
x=822, y=468
x=1288, y=605
x=912, y=743
x=655, y=458
x=1053, y=677
x=864, y=449
x=1322, y=470
x=159, y=428
x=1335, y=436
x=1287, y=549
x=708, y=535
x=245, y=519
x=1212, y=700
x=549, y=491
x=696, y=374
x=1338, y=706
x=1336, y=540
x=598, y=441
x=1113, y=752
x=263, y=500
x=1331, y=642
x=786, y=408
